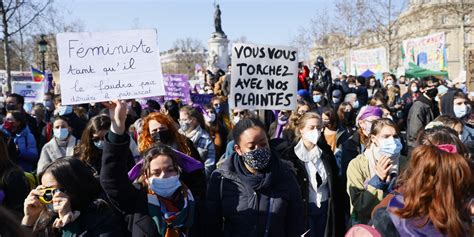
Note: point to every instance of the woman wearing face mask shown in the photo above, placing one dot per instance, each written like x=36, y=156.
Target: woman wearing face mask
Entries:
x=192, y=125
x=316, y=172
x=160, y=204
x=455, y=103
x=222, y=115
x=159, y=128
x=20, y=140
x=278, y=126
x=373, y=86
x=356, y=144
x=67, y=203
x=217, y=130
x=60, y=146
x=253, y=193
x=372, y=174
x=334, y=134
x=346, y=117
x=89, y=149
x=389, y=80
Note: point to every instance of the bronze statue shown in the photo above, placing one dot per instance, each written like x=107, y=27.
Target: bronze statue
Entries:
x=217, y=20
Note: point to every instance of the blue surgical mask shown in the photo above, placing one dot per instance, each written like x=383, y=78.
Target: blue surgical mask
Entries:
x=390, y=147
x=355, y=105
x=460, y=111
x=164, y=187
x=414, y=89
x=317, y=98
x=48, y=104
x=99, y=144
x=61, y=133
x=65, y=109
x=184, y=126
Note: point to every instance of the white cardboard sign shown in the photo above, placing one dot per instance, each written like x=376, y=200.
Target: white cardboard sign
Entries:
x=32, y=91
x=263, y=77
x=102, y=66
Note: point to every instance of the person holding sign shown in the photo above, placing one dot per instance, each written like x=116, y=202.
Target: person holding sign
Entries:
x=161, y=203
x=160, y=128
x=253, y=193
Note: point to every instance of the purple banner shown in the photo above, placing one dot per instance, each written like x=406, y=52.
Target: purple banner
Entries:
x=177, y=87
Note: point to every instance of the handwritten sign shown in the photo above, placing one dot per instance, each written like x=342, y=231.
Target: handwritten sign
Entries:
x=263, y=77
x=373, y=59
x=101, y=66
x=32, y=91
x=428, y=52
x=177, y=87
x=470, y=70
x=201, y=99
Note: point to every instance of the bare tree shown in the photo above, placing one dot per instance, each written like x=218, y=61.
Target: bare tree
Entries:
x=9, y=12
x=461, y=9
x=187, y=52
x=303, y=41
x=384, y=21
x=350, y=19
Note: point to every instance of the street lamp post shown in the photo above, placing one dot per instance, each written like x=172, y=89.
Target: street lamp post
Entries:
x=43, y=47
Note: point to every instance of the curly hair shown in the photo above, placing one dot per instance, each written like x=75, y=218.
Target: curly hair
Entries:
x=146, y=140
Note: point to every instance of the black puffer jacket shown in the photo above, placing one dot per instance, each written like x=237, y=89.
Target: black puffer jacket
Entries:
x=335, y=220
x=235, y=208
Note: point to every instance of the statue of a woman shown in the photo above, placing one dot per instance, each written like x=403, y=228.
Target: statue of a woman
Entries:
x=217, y=20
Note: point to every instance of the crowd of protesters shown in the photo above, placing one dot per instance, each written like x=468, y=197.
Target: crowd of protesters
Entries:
x=358, y=156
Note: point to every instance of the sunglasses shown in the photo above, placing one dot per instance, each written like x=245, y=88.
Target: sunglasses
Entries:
x=48, y=194
x=239, y=113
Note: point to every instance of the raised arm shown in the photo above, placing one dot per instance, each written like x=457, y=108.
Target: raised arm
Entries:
x=113, y=176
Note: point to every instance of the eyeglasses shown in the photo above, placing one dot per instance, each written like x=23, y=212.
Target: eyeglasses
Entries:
x=48, y=194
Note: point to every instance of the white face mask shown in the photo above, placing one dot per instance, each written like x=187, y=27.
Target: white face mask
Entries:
x=164, y=187
x=211, y=117
x=235, y=120
x=312, y=136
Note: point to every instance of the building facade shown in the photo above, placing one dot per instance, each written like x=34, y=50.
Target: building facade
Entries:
x=454, y=18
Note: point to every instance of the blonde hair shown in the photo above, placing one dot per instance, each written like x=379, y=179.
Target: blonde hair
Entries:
x=302, y=122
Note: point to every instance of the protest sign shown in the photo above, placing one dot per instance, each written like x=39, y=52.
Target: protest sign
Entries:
x=428, y=52
x=263, y=77
x=102, y=66
x=201, y=99
x=373, y=59
x=32, y=91
x=470, y=70
x=338, y=67
x=177, y=87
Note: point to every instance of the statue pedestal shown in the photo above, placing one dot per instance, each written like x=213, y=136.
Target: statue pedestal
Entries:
x=218, y=52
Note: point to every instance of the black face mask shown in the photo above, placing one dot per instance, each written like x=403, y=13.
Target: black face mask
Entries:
x=161, y=136
x=11, y=107
x=432, y=93
x=348, y=117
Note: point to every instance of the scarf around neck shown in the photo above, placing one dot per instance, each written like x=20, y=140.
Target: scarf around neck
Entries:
x=173, y=217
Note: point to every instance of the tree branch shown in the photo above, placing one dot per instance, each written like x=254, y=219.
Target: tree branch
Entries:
x=38, y=12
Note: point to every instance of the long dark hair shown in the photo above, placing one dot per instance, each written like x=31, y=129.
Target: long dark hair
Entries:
x=77, y=181
x=173, y=109
x=85, y=150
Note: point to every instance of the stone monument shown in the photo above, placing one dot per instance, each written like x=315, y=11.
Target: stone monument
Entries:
x=218, y=45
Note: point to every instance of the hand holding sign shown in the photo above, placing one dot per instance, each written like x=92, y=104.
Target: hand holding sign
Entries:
x=102, y=66
x=263, y=77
